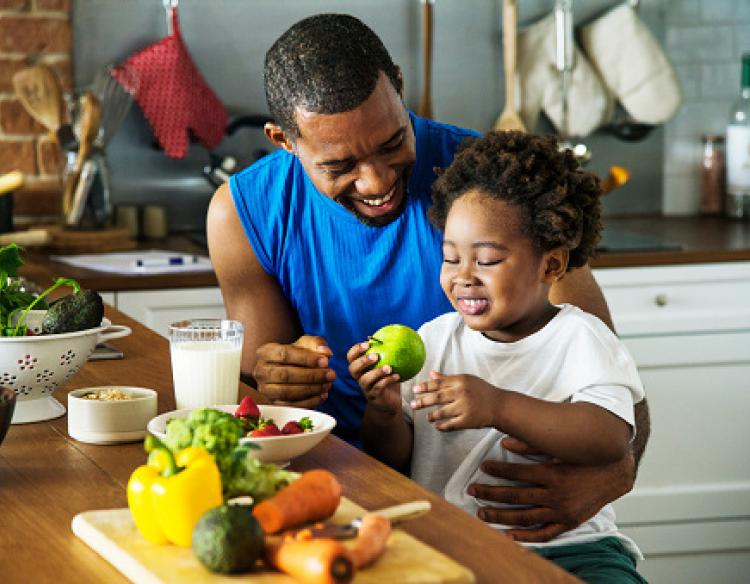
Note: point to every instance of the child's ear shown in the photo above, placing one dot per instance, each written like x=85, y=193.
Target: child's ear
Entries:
x=555, y=263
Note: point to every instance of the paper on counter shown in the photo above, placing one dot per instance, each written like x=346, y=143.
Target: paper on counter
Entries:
x=125, y=262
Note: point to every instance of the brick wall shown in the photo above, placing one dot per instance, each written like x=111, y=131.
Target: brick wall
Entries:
x=32, y=32
x=705, y=41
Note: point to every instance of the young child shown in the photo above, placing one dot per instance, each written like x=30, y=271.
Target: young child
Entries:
x=516, y=214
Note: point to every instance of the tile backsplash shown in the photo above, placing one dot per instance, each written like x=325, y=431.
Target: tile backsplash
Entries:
x=705, y=41
x=228, y=38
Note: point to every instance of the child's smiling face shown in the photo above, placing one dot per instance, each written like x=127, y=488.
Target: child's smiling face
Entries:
x=492, y=273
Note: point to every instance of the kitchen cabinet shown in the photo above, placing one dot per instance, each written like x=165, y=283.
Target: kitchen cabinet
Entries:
x=157, y=309
x=688, y=329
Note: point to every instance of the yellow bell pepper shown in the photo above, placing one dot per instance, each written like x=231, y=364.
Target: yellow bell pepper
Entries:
x=168, y=495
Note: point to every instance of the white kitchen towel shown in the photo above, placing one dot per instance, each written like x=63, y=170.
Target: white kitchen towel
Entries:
x=588, y=104
x=632, y=65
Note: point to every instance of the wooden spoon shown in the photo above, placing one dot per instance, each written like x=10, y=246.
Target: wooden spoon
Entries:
x=38, y=89
x=425, y=103
x=91, y=118
x=509, y=118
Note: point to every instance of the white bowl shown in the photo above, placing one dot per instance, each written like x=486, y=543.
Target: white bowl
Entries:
x=110, y=421
x=35, y=366
x=276, y=449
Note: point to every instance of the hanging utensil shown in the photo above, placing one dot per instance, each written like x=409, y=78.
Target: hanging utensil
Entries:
x=564, y=61
x=509, y=118
x=425, y=103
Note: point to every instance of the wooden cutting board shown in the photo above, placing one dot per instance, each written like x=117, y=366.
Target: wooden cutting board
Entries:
x=98, y=240
x=113, y=535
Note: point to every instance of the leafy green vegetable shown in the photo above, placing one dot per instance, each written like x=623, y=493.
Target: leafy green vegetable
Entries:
x=216, y=431
x=10, y=261
x=250, y=476
x=13, y=299
x=219, y=433
x=305, y=424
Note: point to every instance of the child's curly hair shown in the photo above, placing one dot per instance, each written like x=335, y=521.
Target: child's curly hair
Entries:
x=559, y=203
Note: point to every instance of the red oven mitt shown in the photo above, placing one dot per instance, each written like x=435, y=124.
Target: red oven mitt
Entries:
x=174, y=96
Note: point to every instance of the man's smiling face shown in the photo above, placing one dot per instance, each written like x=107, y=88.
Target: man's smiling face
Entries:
x=361, y=158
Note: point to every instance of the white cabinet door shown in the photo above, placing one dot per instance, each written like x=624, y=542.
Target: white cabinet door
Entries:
x=688, y=329
x=157, y=309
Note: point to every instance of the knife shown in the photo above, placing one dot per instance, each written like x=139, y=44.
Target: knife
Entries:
x=396, y=514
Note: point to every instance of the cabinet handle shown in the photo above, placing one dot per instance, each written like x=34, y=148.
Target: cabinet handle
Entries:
x=661, y=300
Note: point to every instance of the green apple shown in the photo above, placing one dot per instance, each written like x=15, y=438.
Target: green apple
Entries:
x=400, y=347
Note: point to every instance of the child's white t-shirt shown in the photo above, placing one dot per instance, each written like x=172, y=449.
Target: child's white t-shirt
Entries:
x=574, y=357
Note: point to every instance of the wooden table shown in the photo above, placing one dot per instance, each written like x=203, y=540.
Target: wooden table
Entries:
x=46, y=478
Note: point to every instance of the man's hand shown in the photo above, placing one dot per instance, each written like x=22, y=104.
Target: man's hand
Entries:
x=561, y=496
x=294, y=375
x=380, y=385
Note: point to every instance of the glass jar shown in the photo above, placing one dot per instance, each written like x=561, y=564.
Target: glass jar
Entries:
x=713, y=175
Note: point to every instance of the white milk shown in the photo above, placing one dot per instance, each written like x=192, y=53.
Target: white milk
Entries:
x=205, y=373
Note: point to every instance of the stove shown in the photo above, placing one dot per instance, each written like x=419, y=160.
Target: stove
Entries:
x=618, y=241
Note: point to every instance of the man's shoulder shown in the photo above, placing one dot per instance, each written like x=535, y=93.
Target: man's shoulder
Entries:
x=442, y=129
x=273, y=167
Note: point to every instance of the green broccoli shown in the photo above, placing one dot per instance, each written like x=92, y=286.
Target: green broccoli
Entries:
x=216, y=431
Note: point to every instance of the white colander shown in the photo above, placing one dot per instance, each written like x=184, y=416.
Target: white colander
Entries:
x=37, y=365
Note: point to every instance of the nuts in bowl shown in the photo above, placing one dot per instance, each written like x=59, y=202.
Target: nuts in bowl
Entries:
x=110, y=415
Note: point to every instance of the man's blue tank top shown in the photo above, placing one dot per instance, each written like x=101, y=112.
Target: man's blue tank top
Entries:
x=346, y=279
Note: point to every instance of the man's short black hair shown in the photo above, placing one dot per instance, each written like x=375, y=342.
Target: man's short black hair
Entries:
x=327, y=64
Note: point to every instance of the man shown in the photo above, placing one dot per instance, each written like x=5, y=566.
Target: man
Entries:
x=324, y=241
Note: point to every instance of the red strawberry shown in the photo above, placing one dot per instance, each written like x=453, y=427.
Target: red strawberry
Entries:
x=266, y=429
x=291, y=427
x=247, y=409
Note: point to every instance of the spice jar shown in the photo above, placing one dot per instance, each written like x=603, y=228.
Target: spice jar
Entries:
x=713, y=177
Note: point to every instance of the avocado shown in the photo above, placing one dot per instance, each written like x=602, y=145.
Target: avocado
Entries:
x=75, y=312
x=228, y=539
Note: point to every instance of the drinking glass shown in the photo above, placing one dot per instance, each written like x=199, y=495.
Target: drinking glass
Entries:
x=206, y=355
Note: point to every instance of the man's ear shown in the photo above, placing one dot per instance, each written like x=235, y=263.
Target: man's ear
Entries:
x=400, y=76
x=277, y=137
x=555, y=264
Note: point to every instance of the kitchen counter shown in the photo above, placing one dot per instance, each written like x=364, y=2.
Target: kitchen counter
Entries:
x=646, y=241
x=686, y=240
x=46, y=478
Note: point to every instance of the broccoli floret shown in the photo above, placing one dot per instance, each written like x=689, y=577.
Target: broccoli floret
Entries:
x=218, y=432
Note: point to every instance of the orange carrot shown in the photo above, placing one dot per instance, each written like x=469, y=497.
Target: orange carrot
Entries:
x=371, y=539
x=311, y=561
x=312, y=497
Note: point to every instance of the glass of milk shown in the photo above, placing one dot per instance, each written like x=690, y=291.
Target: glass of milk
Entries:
x=206, y=356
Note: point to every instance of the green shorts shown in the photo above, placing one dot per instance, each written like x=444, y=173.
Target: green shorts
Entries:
x=606, y=561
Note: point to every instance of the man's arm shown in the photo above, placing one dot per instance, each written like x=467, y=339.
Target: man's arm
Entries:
x=284, y=371
x=250, y=294
x=579, y=287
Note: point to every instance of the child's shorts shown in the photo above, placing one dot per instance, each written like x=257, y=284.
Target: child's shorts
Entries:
x=605, y=561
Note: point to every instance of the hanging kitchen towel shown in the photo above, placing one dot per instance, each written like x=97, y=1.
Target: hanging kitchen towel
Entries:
x=632, y=65
x=588, y=103
x=174, y=96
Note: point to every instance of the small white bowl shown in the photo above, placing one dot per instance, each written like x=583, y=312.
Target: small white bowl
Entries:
x=276, y=449
x=110, y=421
